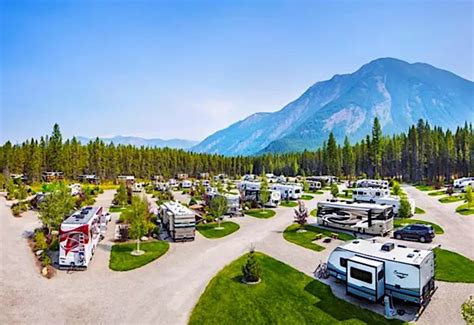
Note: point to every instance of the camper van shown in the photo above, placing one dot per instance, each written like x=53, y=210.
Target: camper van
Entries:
x=372, y=270
x=460, y=182
x=288, y=191
x=365, y=218
x=178, y=220
x=380, y=196
x=374, y=183
x=79, y=235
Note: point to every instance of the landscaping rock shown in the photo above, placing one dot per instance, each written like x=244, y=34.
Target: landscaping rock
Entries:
x=144, y=238
x=39, y=252
x=44, y=271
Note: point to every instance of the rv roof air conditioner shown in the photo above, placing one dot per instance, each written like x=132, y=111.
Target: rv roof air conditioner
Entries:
x=387, y=247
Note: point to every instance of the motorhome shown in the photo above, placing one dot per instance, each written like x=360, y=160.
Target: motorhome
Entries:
x=186, y=184
x=460, y=182
x=374, y=183
x=76, y=189
x=372, y=270
x=206, y=183
x=181, y=176
x=138, y=187
x=314, y=185
x=52, y=176
x=251, y=192
x=326, y=179
x=365, y=218
x=79, y=235
x=233, y=200
x=380, y=196
x=288, y=191
x=129, y=180
x=89, y=178
x=172, y=182
x=466, y=184
x=178, y=220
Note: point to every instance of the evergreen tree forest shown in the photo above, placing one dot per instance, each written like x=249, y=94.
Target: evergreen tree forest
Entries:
x=424, y=153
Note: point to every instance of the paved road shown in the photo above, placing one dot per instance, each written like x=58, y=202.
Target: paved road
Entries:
x=162, y=292
x=459, y=230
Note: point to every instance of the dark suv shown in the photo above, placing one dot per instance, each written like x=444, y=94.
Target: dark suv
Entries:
x=421, y=233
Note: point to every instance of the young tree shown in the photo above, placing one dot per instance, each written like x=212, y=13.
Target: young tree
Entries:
x=404, y=210
x=301, y=214
x=469, y=197
x=138, y=220
x=334, y=190
x=467, y=310
x=122, y=195
x=218, y=207
x=57, y=205
x=397, y=190
x=264, y=192
x=251, y=269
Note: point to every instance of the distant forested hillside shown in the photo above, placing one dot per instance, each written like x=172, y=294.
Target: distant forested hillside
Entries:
x=423, y=153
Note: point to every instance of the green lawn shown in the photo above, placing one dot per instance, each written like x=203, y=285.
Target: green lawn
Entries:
x=453, y=267
x=261, y=213
x=118, y=208
x=305, y=239
x=316, y=192
x=425, y=188
x=465, y=210
x=289, y=204
x=122, y=260
x=307, y=197
x=314, y=212
x=397, y=223
x=419, y=210
x=343, y=195
x=209, y=230
x=285, y=296
x=450, y=199
x=437, y=193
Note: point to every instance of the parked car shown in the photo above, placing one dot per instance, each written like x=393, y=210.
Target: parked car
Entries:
x=419, y=232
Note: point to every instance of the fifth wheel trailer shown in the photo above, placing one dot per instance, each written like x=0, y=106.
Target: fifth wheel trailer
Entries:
x=371, y=270
x=178, y=220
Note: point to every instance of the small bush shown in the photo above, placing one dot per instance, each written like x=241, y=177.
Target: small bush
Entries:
x=45, y=260
x=54, y=246
x=40, y=240
x=251, y=270
x=467, y=310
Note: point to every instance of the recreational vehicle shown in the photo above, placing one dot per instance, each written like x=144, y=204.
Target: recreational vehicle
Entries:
x=314, y=185
x=374, y=183
x=76, y=189
x=178, y=220
x=129, y=180
x=251, y=192
x=186, y=184
x=372, y=270
x=138, y=187
x=288, y=191
x=326, y=179
x=466, y=184
x=79, y=235
x=275, y=199
x=460, y=182
x=365, y=218
x=233, y=200
x=90, y=178
x=206, y=183
x=380, y=196
x=52, y=176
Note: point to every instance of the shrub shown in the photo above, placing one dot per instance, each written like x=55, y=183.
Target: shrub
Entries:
x=45, y=260
x=251, y=269
x=467, y=310
x=16, y=210
x=40, y=240
x=404, y=210
x=192, y=201
x=54, y=246
x=334, y=190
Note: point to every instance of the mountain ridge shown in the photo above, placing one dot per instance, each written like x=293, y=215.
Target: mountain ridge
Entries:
x=397, y=92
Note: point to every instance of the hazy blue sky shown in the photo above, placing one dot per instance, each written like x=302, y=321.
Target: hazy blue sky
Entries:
x=188, y=68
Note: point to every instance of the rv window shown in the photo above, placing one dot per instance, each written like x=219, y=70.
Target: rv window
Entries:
x=343, y=261
x=377, y=194
x=380, y=275
x=361, y=275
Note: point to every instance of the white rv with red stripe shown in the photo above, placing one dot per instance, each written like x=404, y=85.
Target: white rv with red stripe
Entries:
x=79, y=235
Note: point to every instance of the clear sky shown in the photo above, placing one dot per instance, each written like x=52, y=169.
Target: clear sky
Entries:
x=185, y=69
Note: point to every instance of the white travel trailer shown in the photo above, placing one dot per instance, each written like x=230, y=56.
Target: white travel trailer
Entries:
x=288, y=191
x=186, y=184
x=365, y=218
x=251, y=191
x=79, y=235
x=466, y=184
x=172, y=182
x=372, y=270
x=76, y=189
x=275, y=199
x=460, y=182
x=374, y=183
x=314, y=185
x=138, y=187
x=327, y=179
x=380, y=196
x=178, y=220
x=206, y=183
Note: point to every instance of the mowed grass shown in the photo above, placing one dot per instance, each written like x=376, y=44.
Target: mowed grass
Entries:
x=314, y=212
x=437, y=193
x=453, y=267
x=261, y=213
x=451, y=199
x=425, y=188
x=398, y=223
x=419, y=210
x=318, y=192
x=285, y=296
x=118, y=208
x=122, y=260
x=289, y=204
x=465, y=210
x=307, y=197
x=209, y=230
x=305, y=239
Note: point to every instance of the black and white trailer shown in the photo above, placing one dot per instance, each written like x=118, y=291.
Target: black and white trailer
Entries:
x=372, y=270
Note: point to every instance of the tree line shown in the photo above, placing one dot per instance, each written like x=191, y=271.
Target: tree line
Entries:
x=424, y=153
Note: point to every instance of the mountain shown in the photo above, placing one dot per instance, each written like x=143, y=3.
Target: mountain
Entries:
x=136, y=141
x=397, y=92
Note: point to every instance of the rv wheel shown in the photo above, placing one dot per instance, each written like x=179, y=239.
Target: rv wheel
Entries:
x=422, y=239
